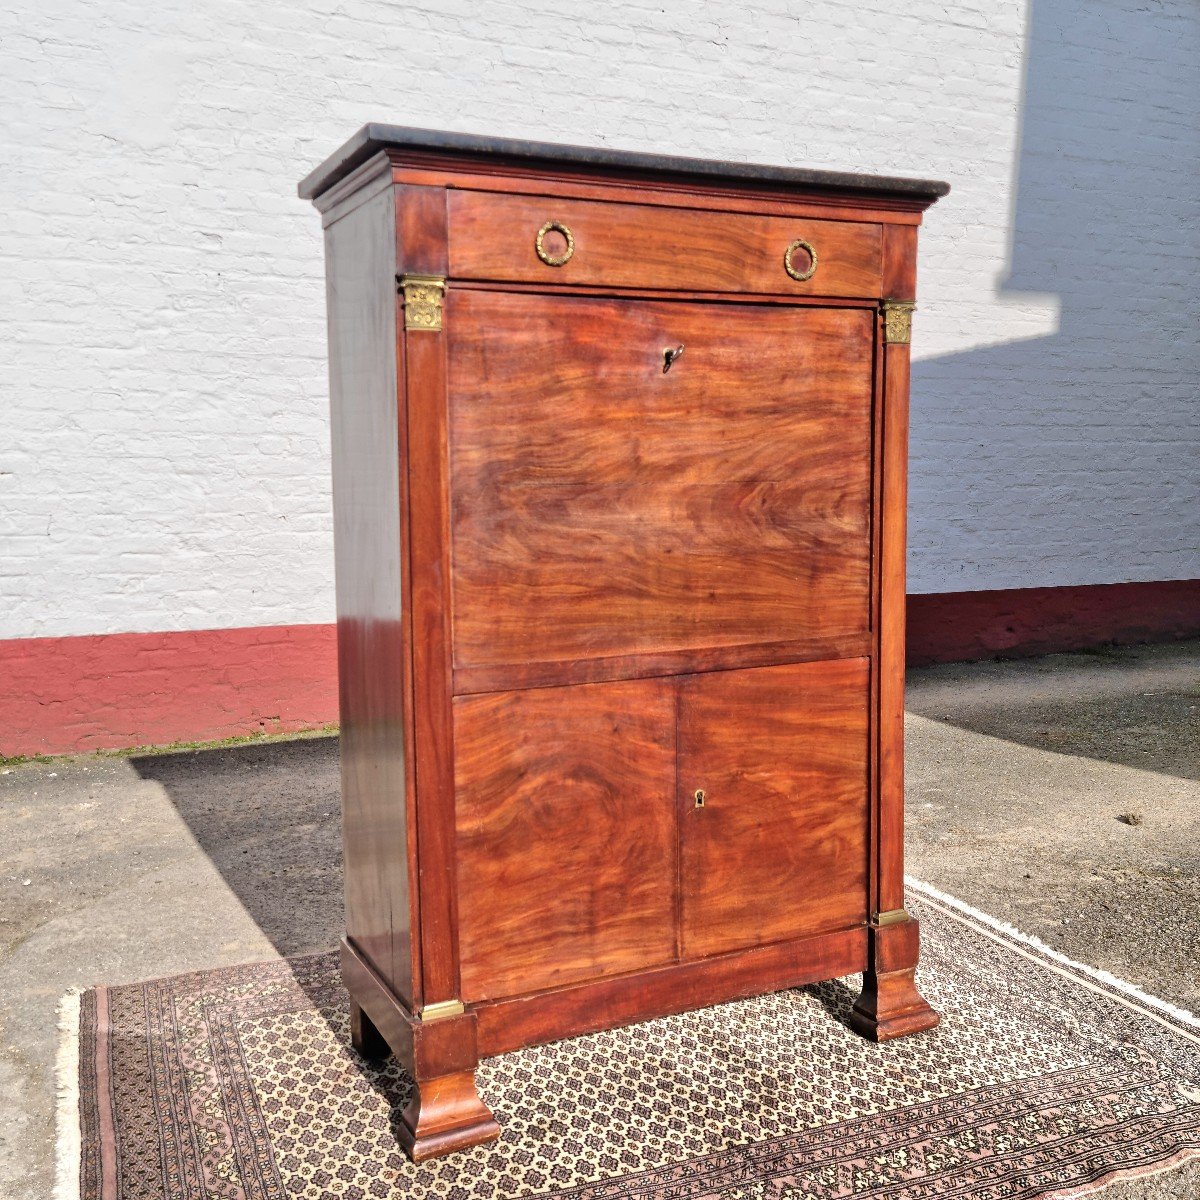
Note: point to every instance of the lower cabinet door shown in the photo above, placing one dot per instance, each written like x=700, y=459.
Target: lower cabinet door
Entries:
x=567, y=840
x=777, y=848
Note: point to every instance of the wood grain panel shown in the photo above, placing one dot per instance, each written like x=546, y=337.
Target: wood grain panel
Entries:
x=780, y=845
x=899, y=281
x=649, y=666
x=651, y=246
x=632, y=190
x=604, y=507
x=604, y=1003
x=567, y=838
x=421, y=248
x=890, y=660
x=369, y=539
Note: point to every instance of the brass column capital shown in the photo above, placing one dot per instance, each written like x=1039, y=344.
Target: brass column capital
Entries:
x=897, y=321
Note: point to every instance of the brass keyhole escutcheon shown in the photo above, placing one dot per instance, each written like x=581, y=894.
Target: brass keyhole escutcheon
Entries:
x=670, y=354
x=699, y=797
x=555, y=243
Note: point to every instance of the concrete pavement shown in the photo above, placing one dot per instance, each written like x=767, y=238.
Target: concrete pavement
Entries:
x=116, y=869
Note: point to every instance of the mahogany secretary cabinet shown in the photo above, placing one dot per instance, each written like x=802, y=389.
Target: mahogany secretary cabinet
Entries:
x=619, y=466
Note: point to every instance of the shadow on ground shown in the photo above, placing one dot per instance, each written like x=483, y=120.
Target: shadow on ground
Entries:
x=267, y=816
x=1133, y=706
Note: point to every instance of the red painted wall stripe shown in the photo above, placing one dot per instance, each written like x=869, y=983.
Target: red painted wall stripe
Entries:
x=968, y=626
x=113, y=691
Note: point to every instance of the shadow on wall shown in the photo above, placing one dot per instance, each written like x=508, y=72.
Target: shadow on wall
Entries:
x=1074, y=458
x=1058, y=460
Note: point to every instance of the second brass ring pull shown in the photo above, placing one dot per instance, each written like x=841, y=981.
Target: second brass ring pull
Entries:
x=800, y=276
x=554, y=260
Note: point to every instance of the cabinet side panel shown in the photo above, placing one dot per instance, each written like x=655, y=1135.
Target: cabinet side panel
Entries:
x=360, y=284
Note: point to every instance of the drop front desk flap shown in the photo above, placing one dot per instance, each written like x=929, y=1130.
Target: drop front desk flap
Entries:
x=619, y=495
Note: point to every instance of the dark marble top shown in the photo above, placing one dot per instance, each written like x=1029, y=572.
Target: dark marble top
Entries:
x=370, y=139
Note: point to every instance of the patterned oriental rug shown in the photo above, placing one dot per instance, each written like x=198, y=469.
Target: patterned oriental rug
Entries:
x=1045, y=1078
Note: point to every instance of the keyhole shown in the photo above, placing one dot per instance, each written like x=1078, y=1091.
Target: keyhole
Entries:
x=699, y=797
x=670, y=355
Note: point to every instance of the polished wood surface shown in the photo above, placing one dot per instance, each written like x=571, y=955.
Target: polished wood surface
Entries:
x=421, y=249
x=899, y=262
x=757, y=199
x=445, y=1111
x=496, y=677
x=642, y=245
x=604, y=1003
x=891, y=568
x=890, y=1005
x=369, y=550
x=674, y=194
x=780, y=841
x=899, y=282
x=566, y=834
x=576, y=588
x=604, y=506
x=446, y=1114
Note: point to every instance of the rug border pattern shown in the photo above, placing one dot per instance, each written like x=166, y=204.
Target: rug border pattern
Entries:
x=87, y=1129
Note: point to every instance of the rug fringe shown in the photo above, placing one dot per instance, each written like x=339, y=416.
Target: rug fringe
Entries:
x=1124, y=1175
x=1112, y=981
x=67, y=1142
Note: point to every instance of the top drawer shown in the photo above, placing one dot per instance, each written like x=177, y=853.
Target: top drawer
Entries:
x=496, y=237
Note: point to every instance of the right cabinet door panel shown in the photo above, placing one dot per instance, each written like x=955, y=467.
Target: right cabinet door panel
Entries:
x=778, y=849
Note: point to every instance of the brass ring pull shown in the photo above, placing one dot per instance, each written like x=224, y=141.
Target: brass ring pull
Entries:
x=554, y=260
x=800, y=276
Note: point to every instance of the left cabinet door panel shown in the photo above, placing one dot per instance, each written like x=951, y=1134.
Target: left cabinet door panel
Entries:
x=567, y=840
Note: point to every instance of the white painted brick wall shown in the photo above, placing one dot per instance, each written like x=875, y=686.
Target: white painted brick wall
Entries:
x=163, y=446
